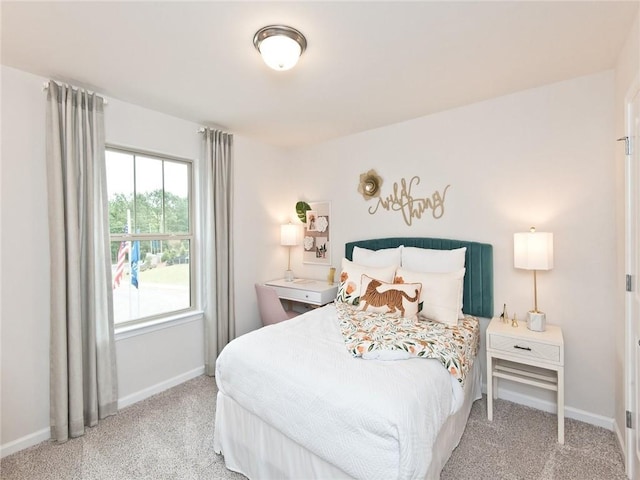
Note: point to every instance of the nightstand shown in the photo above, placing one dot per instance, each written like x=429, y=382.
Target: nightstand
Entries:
x=525, y=356
x=311, y=292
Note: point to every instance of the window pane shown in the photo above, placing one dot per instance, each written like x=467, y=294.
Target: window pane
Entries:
x=151, y=276
x=149, y=215
x=163, y=278
x=119, y=189
x=176, y=197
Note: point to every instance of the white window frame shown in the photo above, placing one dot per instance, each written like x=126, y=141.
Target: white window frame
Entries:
x=154, y=322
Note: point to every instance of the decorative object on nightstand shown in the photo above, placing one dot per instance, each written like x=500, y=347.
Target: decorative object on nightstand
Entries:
x=331, y=277
x=504, y=316
x=534, y=251
x=289, y=238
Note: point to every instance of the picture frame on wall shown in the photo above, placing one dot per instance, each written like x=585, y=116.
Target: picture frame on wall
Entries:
x=310, y=226
x=317, y=233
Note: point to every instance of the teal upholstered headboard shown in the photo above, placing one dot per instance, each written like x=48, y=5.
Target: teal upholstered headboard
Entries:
x=478, y=278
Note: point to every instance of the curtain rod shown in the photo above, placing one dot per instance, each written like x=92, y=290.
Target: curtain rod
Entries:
x=219, y=129
x=45, y=86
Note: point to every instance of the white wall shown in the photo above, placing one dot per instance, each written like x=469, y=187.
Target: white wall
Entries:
x=539, y=157
x=149, y=362
x=627, y=78
x=25, y=260
x=263, y=201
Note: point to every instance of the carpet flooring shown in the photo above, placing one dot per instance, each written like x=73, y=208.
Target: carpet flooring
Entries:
x=170, y=436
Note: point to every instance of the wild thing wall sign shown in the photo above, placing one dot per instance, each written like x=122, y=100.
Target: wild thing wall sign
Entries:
x=401, y=199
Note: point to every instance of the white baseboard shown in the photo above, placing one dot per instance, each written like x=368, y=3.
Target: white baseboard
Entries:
x=551, y=407
x=45, y=434
x=25, y=442
x=159, y=387
x=621, y=441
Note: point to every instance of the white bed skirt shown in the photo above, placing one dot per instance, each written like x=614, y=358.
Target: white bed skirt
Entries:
x=257, y=450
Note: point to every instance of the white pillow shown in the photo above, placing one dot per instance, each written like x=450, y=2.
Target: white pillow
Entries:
x=440, y=294
x=351, y=276
x=378, y=258
x=435, y=261
x=431, y=260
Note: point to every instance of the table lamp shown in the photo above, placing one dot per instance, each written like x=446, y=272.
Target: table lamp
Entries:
x=289, y=238
x=534, y=251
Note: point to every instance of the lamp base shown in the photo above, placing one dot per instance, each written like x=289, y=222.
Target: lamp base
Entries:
x=288, y=275
x=536, y=321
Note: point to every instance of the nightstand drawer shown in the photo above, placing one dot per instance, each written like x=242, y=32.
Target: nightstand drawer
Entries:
x=525, y=348
x=304, y=296
x=311, y=292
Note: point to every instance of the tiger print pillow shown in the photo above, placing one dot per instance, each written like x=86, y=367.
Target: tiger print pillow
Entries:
x=394, y=299
x=350, y=276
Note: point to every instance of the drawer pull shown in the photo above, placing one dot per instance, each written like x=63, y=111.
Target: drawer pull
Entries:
x=522, y=348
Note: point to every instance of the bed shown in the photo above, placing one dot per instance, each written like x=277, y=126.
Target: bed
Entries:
x=293, y=402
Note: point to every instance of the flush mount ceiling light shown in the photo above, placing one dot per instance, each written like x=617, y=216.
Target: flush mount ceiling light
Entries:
x=280, y=46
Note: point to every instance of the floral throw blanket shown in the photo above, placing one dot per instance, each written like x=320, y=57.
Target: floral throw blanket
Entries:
x=378, y=336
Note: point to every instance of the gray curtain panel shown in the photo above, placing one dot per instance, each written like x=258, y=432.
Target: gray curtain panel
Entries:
x=83, y=370
x=217, y=234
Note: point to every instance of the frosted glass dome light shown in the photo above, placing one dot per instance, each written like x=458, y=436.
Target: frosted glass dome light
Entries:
x=280, y=46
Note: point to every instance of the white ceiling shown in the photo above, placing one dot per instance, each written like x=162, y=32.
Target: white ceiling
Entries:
x=367, y=65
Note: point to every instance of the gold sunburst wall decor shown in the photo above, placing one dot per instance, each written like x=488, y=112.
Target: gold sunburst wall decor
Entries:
x=370, y=184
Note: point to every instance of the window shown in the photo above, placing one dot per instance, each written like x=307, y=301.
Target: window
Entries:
x=151, y=235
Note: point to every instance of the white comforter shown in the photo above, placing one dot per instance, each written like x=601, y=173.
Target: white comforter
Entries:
x=372, y=419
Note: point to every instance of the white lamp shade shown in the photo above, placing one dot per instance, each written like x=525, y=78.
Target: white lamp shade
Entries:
x=533, y=250
x=289, y=234
x=280, y=52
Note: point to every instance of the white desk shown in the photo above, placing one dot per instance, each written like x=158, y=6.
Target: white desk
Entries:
x=521, y=355
x=303, y=290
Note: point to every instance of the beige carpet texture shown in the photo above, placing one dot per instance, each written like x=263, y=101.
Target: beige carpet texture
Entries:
x=170, y=436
